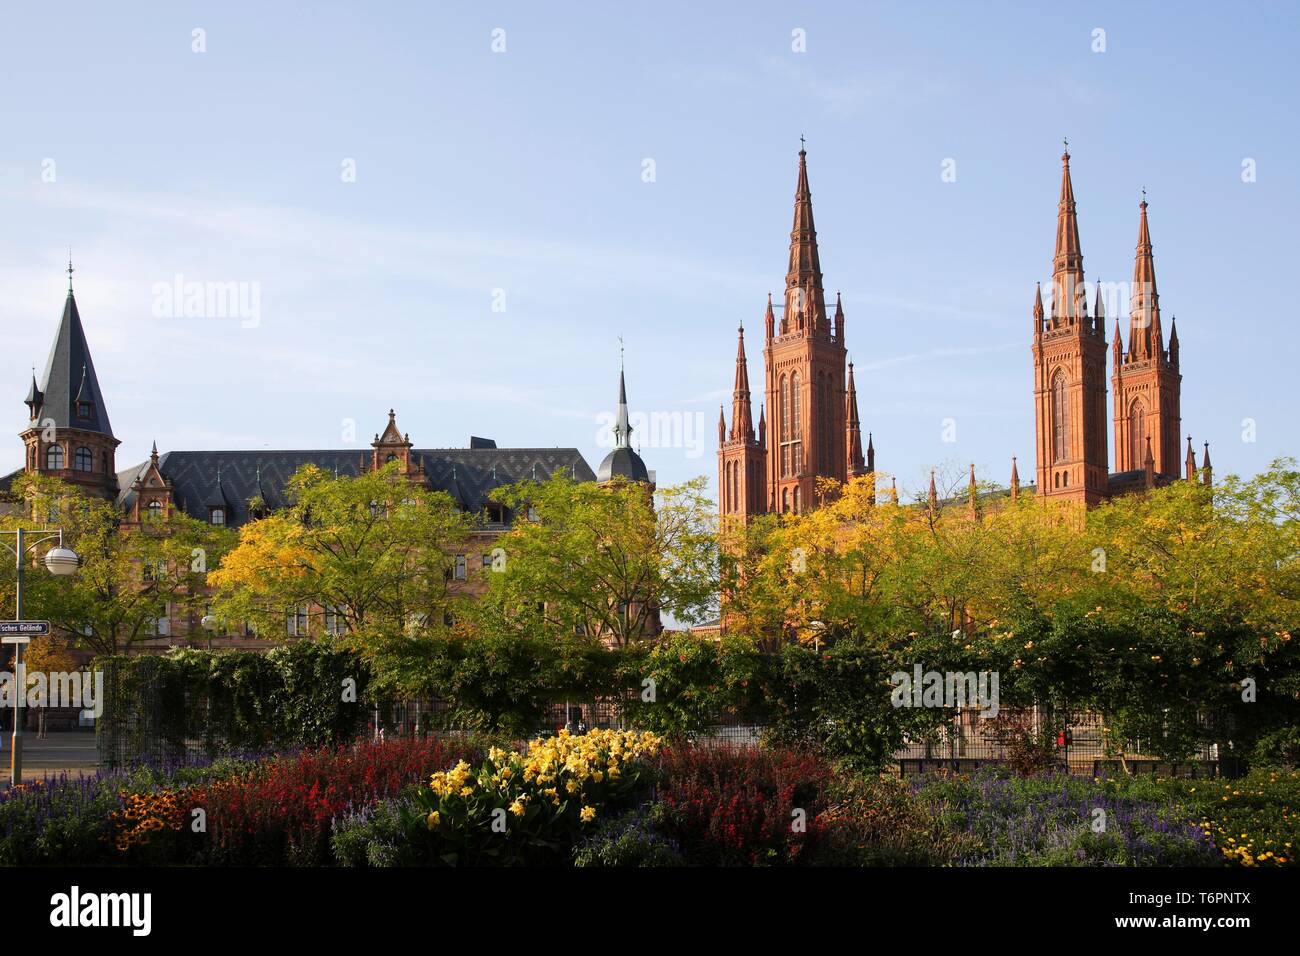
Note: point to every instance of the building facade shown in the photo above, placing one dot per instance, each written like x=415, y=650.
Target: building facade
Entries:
x=69, y=437
x=814, y=430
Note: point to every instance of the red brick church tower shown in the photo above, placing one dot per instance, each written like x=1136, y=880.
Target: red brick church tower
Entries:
x=1146, y=379
x=1070, y=372
x=814, y=430
x=1069, y=349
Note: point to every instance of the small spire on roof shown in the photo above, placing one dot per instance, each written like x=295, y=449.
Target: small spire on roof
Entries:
x=70, y=270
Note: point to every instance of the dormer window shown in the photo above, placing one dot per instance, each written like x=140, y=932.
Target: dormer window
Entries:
x=154, y=511
x=85, y=411
x=217, y=516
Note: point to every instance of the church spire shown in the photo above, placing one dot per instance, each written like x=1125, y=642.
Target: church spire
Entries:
x=1207, y=473
x=803, y=280
x=742, y=417
x=1015, y=480
x=1067, y=262
x=856, y=465
x=1145, y=339
x=1190, y=463
x=933, y=496
x=1038, y=308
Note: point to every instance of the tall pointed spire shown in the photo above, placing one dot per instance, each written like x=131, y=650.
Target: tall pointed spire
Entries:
x=1207, y=473
x=1067, y=262
x=1099, y=311
x=1038, y=308
x=853, y=436
x=1149, y=465
x=622, y=427
x=933, y=496
x=1145, y=339
x=762, y=424
x=972, y=492
x=893, y=490
x=803, y=280
x=1015, y=480
x=742, y=418
x=69, y=391
x=1190, y=463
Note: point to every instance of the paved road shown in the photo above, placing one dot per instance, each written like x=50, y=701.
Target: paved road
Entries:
x=67, y=751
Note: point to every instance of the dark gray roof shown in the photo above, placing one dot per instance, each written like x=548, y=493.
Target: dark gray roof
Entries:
x=467, y=474
x=622, y=462
x=70, y=377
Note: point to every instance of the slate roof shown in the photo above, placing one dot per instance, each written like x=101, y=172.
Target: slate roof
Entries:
x=70, y=377
x=467, y=474
x=623, y=463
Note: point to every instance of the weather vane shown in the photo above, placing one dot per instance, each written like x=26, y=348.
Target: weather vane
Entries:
x=802, y=141
x=69, y=268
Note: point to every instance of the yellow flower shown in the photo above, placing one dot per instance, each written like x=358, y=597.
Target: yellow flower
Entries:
x=588, y=814
x=517, y=808
x=434, y=818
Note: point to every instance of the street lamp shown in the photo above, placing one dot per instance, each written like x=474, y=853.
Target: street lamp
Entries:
x=209, y=623
x=59, y=561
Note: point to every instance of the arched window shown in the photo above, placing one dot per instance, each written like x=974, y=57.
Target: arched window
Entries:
x=155, y=510
x=1060, y=418
x=785, y=499
x=796, y=416
x=54, y=457
x=796, y=500
x=83, y=460
x=785, y=427
x=1137, y=418
x=796, y=426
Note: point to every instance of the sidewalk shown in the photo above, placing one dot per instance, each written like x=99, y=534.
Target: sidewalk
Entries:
x=69, y=751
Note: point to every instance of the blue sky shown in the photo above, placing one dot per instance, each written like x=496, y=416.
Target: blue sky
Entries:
x=521, y=171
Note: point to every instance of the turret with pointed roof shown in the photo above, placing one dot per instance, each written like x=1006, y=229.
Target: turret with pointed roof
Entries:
x=740, y=451
x=856, y=465
x=69, y=407
x=622, y=461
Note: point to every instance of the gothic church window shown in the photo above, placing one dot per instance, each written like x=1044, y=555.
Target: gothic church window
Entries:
x=1060, y=418
x=1138, y=434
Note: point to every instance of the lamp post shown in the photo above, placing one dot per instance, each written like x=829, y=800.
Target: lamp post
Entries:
x=210, y=624
x=60, y=561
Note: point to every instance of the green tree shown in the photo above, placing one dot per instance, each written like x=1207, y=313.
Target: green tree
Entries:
x=601, y=560
x=376, y=549
x=129, y=577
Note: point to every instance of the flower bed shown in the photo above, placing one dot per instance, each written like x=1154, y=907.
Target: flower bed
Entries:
x=613, y=798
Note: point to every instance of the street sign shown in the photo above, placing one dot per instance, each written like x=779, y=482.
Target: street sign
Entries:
x=14, y=639
x=24, y=629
